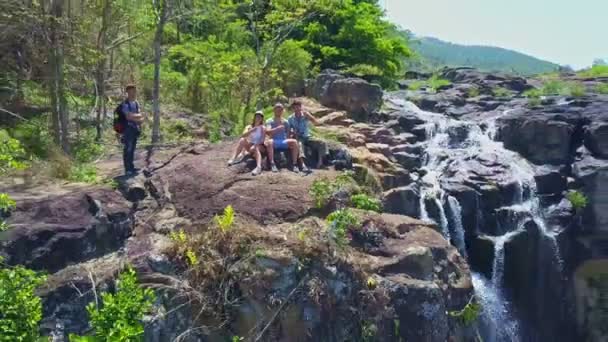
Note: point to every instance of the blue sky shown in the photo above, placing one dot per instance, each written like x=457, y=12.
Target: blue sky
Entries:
x=572, y=32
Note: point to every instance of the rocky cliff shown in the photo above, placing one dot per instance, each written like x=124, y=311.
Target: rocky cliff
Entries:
x=473, y=185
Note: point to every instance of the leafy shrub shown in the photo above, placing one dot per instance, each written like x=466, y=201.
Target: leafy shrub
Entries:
x=340, y=222
x=86, y=149
x=12, y=154
x=533, y=93
x=578, y=199
x=83, y=173
x=416, y=85
x=6, y=203
x=3, y=226
x=323, y=189
x=553, y=87
x=469, y=314
x=120, y=316
x=501, y=92
x=363, y=201
x=183, y=248
x=20, y=308
x=226, y=220
x=602, y=88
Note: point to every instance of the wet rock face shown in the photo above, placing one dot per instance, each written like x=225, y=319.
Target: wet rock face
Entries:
x=51, y=233
x=539, y=140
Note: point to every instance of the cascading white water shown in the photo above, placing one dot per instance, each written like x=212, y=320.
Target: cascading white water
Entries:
x=456, y=211
x=497, y=323
x=443, y=151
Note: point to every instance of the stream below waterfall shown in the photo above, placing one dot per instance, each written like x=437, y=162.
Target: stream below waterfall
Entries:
x=449, y=148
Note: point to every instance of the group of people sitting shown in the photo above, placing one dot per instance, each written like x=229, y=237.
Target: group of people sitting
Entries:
x=278, y=134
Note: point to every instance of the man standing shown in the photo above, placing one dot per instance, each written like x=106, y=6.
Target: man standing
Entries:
x=130, y=108
x=298, y=123
x=278, y=128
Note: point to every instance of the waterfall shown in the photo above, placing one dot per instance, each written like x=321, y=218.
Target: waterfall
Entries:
x=458, y=229
x=497, y=324
x=449, y=147
x=499, y=258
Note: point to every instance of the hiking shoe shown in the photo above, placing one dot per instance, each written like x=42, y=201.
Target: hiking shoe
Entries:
x=273, y=168
x=234, y=161
x=256, y=171
x=305, y=169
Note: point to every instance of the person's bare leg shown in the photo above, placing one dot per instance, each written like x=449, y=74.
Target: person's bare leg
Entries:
x=270, y=153
x=240, y=147
x=295, y=151
x=255, y=150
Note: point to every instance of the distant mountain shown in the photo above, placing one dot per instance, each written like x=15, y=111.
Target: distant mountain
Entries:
x=436, y=53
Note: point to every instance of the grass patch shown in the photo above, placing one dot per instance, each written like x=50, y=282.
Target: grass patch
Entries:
x=501, y=92
x=595, y=71
x=473, y=92
x=576, y=89
x=434, y=83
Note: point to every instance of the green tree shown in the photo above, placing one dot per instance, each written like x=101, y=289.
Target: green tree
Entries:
x=355, y=35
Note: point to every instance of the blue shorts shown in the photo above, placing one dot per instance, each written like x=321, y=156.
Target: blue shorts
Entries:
x=280, y=144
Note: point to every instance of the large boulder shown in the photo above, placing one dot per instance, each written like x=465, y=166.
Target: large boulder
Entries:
x=596, y=139
x=357, y=96
x=593, y=173
x=403, y=200
x=541, y=140
x=52, y=232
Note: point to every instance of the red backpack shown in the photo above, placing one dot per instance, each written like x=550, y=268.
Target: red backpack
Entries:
x=120, y=117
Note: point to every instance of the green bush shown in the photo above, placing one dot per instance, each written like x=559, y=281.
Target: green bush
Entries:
x=12, y=154
x=533, y=93
x=602, y=88
x=576, y=89
x=501, y=92
x=340, y=222
x=577, y=199
x=323, y=189
x=20, y=308
x=6, y=203
x=553, y=87
x=83, y=173
x=364, y=202
x=120, y=316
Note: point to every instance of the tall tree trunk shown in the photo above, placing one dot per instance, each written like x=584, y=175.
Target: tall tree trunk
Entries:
x=160, y=25
x=60, y=116
x=100, y=73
